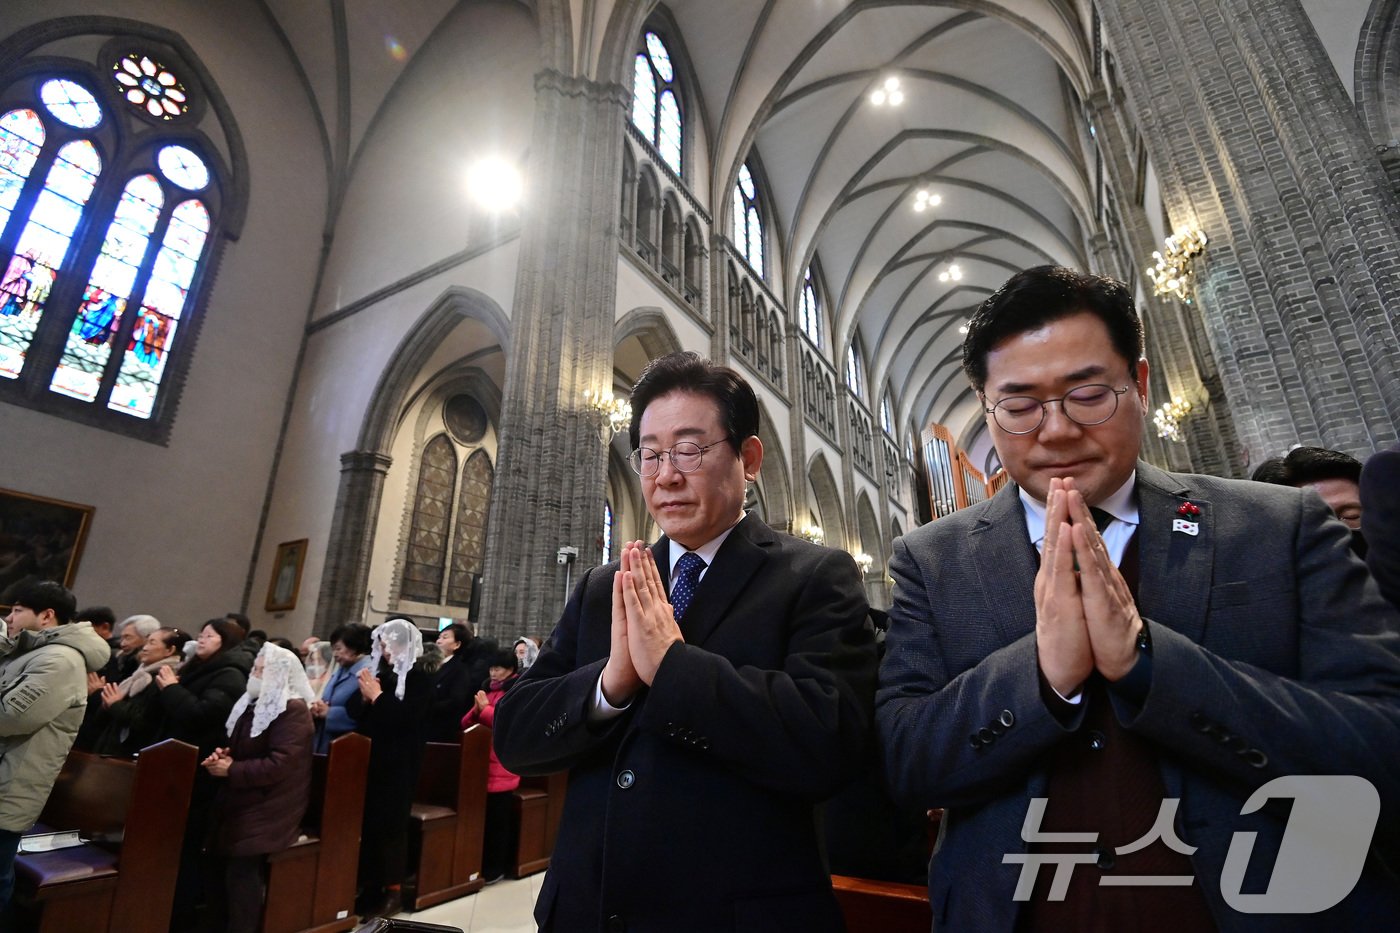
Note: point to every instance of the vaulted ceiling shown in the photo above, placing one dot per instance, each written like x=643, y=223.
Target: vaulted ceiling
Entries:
x=988, y=124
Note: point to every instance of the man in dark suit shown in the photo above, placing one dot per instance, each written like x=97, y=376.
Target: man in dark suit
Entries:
x=705, y=693
x=1380, y=519
x=1105, y=707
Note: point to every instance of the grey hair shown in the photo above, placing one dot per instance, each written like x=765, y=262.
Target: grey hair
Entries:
x=144, y=625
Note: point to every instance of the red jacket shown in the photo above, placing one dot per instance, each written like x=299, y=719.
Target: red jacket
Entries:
x=498, y=779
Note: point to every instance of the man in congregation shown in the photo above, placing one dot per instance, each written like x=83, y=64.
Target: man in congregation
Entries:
x=705, y=692
x=44, y=666
x=1094, y=670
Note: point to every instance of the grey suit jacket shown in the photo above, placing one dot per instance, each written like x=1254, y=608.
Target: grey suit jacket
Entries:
x=1273, y=654
x=693, y=811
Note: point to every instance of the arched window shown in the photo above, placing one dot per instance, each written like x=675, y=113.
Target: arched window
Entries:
x=432, y=509
x=109, y=199
x=855, y=372
x=886, y=414
x=748, y=222
x=607, y=530
x=656, y=109
x=809, y=311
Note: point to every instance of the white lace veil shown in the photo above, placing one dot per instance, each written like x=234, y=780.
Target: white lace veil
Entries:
x=283, y=679
x=405, y=647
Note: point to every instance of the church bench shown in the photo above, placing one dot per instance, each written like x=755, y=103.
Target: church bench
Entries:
x=882, y=906
x=538, y=804
x=311, y=883
x=124, y=878
x=448, y=820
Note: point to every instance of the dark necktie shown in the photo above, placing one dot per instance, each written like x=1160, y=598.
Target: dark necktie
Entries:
x=1101, y=518
x=687, y=576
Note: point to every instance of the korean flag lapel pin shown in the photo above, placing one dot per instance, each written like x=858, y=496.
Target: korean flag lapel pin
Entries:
x=1188, y=519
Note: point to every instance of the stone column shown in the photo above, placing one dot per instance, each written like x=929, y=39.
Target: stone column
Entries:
x=345, y=580
x=551, y=468
x=1255, y=140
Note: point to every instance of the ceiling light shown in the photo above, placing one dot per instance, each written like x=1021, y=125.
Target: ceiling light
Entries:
x=955, y=273
x=922, y=194
x=891, y=84
x=935, y=199
x=920, y=206
x=962, y=328
x=942, y=276
x=877, y=97
x=896, y=98
x=495, y=184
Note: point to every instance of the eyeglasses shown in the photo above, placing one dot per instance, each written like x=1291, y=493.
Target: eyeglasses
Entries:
x=686, y=457
x=1086, y=406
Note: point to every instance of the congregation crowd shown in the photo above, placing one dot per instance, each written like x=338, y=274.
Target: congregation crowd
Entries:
x=257, y=708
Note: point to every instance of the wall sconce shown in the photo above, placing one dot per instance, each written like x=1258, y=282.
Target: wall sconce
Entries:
x=1171, y=271
x=616, y=412
x=864, y=562
x=1168, y=419
x=813, y=533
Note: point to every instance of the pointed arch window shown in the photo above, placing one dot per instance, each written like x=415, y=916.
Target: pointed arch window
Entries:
x=748, y=221
x=886, y=414
x=656, y=108
x=607, y=530
x=809, y=311
x=107, y=215
x=855, y=371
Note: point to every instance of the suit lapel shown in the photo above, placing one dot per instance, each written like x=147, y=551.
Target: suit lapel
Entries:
x=739, y=558
x=1175, y=579
x=1002, y=552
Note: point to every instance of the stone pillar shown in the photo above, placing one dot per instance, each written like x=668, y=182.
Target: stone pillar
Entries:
x=551, y=468
x=345, y=580
x=1255, y=140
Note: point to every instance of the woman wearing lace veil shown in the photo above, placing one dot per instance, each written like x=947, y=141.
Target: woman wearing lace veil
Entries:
x=266, y=772
x=390, y=708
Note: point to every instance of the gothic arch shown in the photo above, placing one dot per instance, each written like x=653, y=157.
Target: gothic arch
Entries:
x=871, y=542
x=363, y=470
x=773, y=475
x=823, y=483
x=651, y=328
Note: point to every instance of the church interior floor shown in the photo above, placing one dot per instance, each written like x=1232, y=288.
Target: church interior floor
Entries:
x=504, y=907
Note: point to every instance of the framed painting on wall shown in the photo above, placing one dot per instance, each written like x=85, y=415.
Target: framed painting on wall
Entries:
x=40, y=539
x=282, y=589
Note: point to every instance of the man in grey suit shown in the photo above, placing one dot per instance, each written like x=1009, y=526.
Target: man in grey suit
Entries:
x=1096, y=670
x=705, y=693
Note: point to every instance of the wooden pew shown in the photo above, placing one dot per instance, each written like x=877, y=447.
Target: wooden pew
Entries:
x=448, y=820
x=538, y=804
x=124, y=881
x=882, y=906
x=311, y=884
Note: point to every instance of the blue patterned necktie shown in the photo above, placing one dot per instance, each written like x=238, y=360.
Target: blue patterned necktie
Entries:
x=687, y=576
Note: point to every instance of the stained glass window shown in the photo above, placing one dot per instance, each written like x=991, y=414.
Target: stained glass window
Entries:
x=809, y=313
x=112, y=318
x=150, y=87
x=748, y=225
x=432, y=510
x=469, y=537
x=100, y=315
x=656, y=109
x=72, y=103
x=41, y=249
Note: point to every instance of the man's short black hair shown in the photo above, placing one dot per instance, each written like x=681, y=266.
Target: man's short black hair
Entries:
x=97, y=615
x=1038, y=296
x=242, y=620
x=354, y=635
x=38, y=595
x=1313, y=464
x=459, y=632
x=689, y=372
x=1273, y=471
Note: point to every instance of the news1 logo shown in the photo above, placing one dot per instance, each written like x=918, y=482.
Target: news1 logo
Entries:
x=1319, y=860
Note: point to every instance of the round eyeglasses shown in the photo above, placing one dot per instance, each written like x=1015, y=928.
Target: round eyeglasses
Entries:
x=686, y=457
x=1086, y=406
